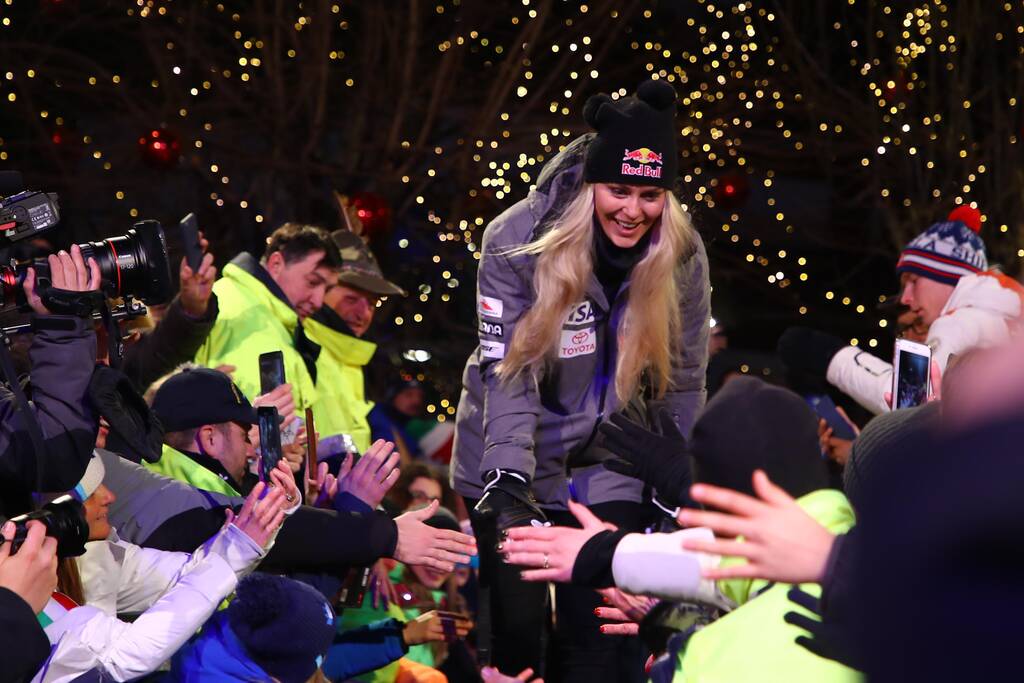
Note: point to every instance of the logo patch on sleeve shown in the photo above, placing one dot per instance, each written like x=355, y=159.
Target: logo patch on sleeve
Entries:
x=577, y=343
x=488, y=306
x=489, y=349
x=491, y=329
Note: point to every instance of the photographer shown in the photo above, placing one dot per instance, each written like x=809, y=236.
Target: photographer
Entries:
x=62, y=354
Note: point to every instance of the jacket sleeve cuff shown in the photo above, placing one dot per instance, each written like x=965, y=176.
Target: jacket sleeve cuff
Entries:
x=346, y=502
x=593, y=565
x=236, y=548
x=656, y=564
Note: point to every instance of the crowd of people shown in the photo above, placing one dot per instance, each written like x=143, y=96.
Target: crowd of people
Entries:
x=592, y=516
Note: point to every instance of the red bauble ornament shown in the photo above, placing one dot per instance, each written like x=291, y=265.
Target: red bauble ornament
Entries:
x=896, y=88
x=732, y=190
x=160, y=148
x=67, y=141
x=374, y=212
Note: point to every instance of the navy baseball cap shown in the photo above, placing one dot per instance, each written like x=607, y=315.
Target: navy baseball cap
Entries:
x=201, y=396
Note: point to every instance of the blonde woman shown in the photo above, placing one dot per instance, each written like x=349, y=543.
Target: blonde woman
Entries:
x=593, y=300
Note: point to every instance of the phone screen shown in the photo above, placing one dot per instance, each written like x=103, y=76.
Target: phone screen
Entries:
x=913, y=379
x=271, y=371
x=190, y=241
x=270, y=440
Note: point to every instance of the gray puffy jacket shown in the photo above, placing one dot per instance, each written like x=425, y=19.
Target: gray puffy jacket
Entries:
x=549, y=429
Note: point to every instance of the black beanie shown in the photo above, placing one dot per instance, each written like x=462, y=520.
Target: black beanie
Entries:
x=749, y=425
x=636, y=137
x=285, y=625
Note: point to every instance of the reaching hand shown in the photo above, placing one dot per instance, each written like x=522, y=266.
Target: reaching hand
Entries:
x=826, y=638
x=67, y=271
x=492, y=675
x=260, y=519
x=374, y=473
x=424, y=545
x=323, y=488
x=780, y=542
x=625, y=608
x=197, y=287
x=832, y=446
x=294, y=452
x=282, y=477
x=551, y=551
x=31, y=572
x=657, y=458
x=434, y=626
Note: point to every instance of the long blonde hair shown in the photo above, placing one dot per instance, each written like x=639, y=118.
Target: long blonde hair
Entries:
x=651, y=326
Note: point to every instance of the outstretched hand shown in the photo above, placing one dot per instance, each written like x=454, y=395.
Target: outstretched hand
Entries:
x=424, y=545
x=780, y=542
x=491, y=675
x=656, y=456
x=259, y=519
x=551, y=551
x=373, y=474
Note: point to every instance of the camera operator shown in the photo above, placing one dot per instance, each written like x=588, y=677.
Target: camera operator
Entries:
x=62, y=354
x=26, y=580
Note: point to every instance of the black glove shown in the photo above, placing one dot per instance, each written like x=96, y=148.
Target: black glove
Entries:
x=827, y=638
x=807, y=350
x=507, y=500
x=657, y=458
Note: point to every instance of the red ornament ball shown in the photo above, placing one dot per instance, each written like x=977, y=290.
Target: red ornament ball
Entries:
x=160, y=148
x=374, y=212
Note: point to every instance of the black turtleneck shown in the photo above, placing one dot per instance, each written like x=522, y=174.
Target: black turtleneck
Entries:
x=613, y=264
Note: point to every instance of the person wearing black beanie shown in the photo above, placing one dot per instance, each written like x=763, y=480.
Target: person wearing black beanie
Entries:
x=593, y=299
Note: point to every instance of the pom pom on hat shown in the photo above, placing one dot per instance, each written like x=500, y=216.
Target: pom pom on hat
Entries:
x=636, y=137
x=967, y=215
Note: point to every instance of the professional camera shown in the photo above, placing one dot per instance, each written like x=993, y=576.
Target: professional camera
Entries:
x=27, y=214
x=64, y=519
x=134, y=264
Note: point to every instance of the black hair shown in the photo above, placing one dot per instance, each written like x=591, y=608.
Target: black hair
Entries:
x=296, y=241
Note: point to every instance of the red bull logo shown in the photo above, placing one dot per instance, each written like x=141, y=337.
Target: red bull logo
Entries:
x=645, y=156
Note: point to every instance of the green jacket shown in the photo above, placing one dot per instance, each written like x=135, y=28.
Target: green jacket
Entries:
x=251, y=321
x=176, y=465
x=341, y=405
x=753, y=642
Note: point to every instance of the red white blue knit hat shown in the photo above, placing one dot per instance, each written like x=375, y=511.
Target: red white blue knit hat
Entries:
x=947, y=251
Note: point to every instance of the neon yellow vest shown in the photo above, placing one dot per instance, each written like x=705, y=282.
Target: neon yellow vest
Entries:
x=753, y=642
x=176, y=465
x=252, y=321
x=341, y=406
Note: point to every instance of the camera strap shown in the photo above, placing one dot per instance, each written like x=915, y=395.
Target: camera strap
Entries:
x=21, y=404
x=115, y=346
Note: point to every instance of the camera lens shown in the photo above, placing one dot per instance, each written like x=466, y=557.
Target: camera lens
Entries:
x=133, y=264
x=64, y=519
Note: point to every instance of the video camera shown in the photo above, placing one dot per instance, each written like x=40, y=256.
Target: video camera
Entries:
x=131, y=265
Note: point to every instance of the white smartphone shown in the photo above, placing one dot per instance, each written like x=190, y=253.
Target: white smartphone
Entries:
x=911, y=374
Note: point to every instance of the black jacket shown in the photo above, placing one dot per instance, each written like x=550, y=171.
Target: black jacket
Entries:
x=175, y=340
x=24, y=646
x=62, y=353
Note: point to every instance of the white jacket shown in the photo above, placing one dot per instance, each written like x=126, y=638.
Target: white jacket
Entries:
x=980, y=312
x=175, y=592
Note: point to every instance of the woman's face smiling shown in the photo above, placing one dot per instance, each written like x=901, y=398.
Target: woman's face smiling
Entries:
x=627, y=212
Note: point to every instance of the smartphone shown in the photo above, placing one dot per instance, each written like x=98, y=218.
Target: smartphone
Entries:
x=911, y=374
x=271, y=371
x=190, y=241
x=825, y=407
x=270, y=440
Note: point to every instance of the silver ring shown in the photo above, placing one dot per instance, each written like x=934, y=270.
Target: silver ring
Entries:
x=290, y=498
x=546, y=563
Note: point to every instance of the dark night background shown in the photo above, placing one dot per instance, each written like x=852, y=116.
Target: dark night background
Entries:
x=817, y=137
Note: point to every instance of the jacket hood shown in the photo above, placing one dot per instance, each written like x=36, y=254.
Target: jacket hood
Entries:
x=216, y=654
x=989, y=291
